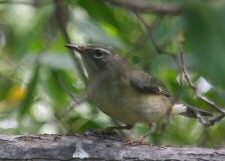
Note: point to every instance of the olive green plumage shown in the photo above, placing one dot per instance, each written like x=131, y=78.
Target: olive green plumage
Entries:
x=125, y=92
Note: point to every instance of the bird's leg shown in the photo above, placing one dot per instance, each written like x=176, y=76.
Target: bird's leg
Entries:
x=141, y=139
x=165, y=124
x=151, y=131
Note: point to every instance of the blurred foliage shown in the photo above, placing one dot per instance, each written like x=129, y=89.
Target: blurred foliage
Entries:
x=38, y=75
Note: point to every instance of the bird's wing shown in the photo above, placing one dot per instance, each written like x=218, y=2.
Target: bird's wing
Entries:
x=148, y=84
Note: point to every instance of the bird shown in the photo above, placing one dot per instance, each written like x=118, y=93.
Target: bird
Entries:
x=127, y=93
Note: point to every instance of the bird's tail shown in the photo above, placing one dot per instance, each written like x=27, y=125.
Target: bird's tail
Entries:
x=188, y=111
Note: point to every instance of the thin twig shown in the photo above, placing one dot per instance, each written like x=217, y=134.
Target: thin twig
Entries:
x=200, y=96
x=77, y=102
x=143, y=6
x=150, y=33
x=194, y=88
x=217, y=119
x=140, y=42
x=62, y=17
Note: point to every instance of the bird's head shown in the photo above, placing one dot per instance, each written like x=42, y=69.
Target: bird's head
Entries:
x=98, y=58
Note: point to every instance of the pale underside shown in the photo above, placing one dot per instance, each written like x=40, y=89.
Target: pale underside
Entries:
x=124, y=103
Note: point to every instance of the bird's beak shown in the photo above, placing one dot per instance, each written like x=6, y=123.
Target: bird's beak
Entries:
x=77, y=48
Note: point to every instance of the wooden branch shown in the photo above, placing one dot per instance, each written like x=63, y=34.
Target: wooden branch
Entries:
x=194, y=88
x=143, y=6
x=200, y=96
x=55, y=147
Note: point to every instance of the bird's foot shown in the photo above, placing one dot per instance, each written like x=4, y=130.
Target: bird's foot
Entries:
x=112, y=135
x=142, y=140
x=137, y=141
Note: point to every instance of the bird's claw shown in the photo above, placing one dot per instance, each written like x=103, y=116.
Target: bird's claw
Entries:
x=139, y=141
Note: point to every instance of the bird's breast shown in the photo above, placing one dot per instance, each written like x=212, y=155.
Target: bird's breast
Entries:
x=122, y=102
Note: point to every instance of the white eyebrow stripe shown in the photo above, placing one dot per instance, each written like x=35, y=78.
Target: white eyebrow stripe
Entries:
x=104, y=50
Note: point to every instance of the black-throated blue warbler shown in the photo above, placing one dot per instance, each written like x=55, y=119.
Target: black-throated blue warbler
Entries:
x=127, y=93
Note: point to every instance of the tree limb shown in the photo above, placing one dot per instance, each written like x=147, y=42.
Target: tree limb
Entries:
x=143, y=6
x=77, y=147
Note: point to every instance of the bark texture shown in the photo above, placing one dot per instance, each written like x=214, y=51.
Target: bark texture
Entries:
x=77, y=147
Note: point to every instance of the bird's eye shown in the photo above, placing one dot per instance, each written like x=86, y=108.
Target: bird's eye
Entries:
x=99, y=54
